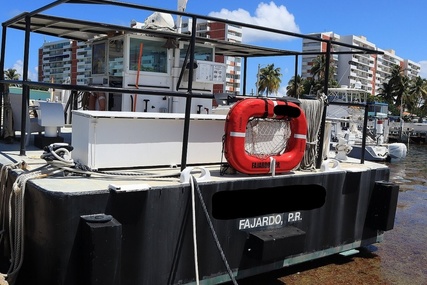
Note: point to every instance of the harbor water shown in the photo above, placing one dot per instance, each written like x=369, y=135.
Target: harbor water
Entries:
x=401, y=259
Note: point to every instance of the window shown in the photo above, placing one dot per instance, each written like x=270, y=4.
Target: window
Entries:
x=200, y=53
x=154, y=55
x=98, y=58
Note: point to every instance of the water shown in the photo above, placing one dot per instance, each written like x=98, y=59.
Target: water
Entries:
x=411, y=173
x=404, y=252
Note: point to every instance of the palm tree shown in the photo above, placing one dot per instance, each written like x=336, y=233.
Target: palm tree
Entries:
x=295, y=87
x=418, y=93
x=11, y=74
x=269, y=79
x=386, y=93
x=395, y=91
x=318, y=68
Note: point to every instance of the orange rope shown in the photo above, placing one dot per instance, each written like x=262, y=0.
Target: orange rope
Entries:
x=141, y=45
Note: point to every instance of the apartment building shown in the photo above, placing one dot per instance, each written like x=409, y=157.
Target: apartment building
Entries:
x=315, y=47
x=65, y=61
x=354, y=68
x=370, y=70
x=221, y=31
x=411, y=69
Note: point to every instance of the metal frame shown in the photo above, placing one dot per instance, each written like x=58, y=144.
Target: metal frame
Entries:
x=35, y=22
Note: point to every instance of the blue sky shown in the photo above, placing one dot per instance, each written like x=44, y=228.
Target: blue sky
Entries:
x=397, y=25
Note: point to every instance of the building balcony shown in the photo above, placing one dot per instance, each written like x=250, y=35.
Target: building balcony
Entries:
x=234, y=38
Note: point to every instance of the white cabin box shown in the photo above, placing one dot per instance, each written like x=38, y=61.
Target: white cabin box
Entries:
x=103, y=140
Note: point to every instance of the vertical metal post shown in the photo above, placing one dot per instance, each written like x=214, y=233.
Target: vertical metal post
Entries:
x=25, y=87
x=189, y=97
x=323, y=123
x=295, y=77
x=245, y=64
x=257, y=81
x=364, y=133
x=2, y=57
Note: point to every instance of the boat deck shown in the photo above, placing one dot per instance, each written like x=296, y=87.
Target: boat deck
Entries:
x=142, y=177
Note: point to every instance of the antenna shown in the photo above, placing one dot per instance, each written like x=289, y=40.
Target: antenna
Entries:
x=182, y=4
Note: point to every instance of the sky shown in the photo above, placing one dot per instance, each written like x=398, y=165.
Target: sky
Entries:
x=396, y=25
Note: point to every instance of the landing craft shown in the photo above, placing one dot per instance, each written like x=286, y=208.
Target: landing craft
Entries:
x=142, y=193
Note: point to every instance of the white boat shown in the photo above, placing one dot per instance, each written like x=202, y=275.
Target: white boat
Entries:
x=347, y=116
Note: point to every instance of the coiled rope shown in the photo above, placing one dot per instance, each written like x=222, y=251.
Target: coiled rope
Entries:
x=15, y=211
x=313, y=110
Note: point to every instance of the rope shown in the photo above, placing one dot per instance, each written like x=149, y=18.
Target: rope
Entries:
x=3, y=196
x=224, y=166
x=193, y=211
x=58, y=159
x=313, y=110
x=58, y=155
x=16, y=211
x=202, y=202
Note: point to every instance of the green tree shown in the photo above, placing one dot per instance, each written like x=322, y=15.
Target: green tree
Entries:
x=269, y=80
x=418, y=94
x=386, y=94
x=11, y=74
x=396, y=90
x=318, y=71
x=295, y=87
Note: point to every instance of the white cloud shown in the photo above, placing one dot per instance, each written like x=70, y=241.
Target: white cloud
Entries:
x=423, y=70
x=266, y=15
x=19, y=66
x=282, y=90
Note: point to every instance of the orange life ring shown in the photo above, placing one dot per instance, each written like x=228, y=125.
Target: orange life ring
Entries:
x=235, y=132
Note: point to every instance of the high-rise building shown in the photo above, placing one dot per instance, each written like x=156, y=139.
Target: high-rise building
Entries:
x=369, y=71
x=411, y=69
x=65, y=61
x=314, y=46
x=222, y=31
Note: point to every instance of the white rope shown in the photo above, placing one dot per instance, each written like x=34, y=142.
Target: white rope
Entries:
x=3, y=195
x=214, y=235
x=58, y=156
x=313, y=110
x=193, y=210
x=16, y=223
x=15, y=211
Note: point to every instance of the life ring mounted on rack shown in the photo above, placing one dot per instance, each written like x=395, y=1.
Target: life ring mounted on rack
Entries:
x=235, y=135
